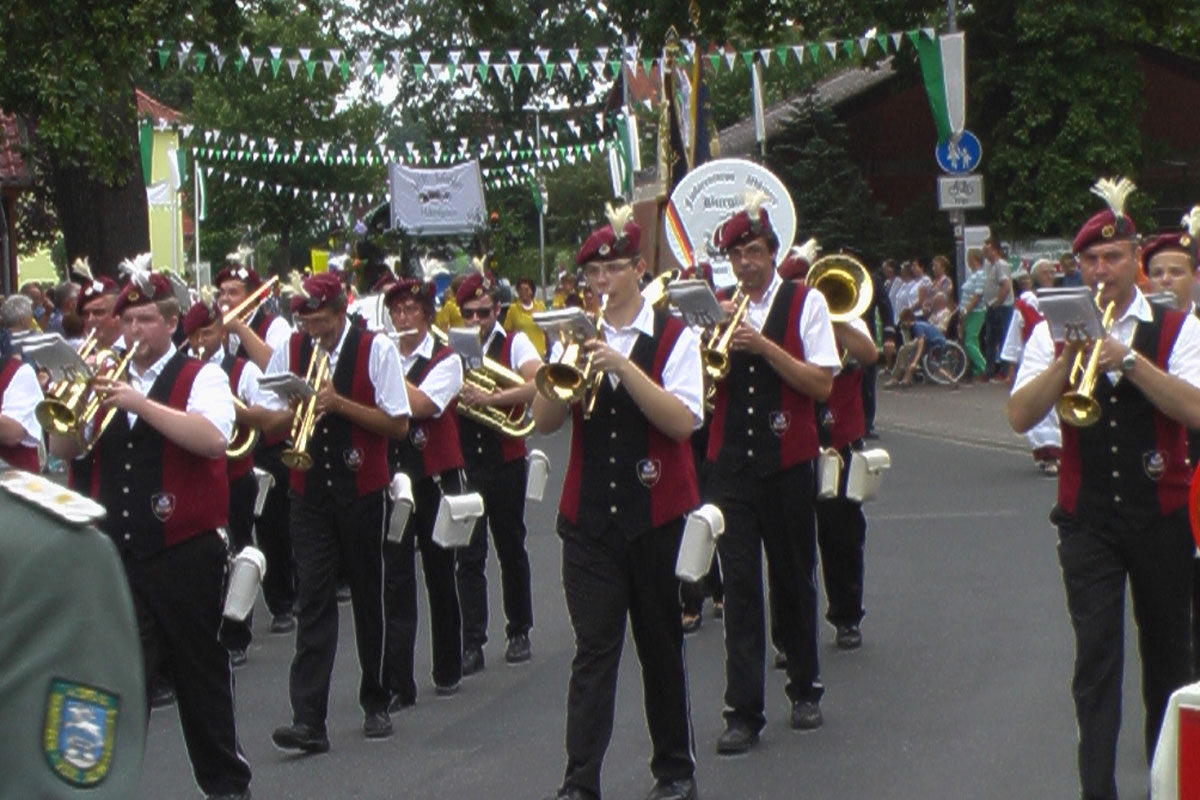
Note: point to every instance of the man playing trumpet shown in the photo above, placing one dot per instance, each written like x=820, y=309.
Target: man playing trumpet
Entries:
x=338, y=505
x=1122, y=487
x=629, y=481
x=159, y=470
x=496, y=468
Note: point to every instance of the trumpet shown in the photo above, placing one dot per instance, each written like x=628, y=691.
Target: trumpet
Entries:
x=714, y=351
x=305, y=419
x=846, y=284
x=565, y=380
x=73, y=403
x=1077, y=407
x=246, y=309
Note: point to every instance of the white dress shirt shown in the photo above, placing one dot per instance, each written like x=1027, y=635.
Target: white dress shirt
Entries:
x=1013, y=345
x=20, y=402
x=210, y=396
x=443, y=381
x=248, y=390
x=278, y=333
x=1183, y=362
x=383, y=369
x=522, y=351
x=816, y=331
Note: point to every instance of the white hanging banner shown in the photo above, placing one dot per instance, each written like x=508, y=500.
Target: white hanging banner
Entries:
x=437, y=202
x=954, y=77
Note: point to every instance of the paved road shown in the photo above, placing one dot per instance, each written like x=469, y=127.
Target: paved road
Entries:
x=961, y=689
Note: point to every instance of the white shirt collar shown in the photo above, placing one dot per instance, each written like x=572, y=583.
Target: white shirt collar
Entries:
x=643, y=321
x=424, y=349
x=337, y=348
x=769, y=294
x=156, y=368
x=1139, y=307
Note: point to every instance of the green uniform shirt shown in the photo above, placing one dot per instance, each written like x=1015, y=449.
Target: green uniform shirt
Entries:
x=72, y=693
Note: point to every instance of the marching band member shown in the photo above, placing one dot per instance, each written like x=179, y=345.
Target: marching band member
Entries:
x=159, y=470
x=338, y=507
x=629, y=481
x=431, y=457
x=496, y=468
x=763, y=443
x=1170, y=259
x=97, y=297
x=255, y=341
x=20, y=431
x=1044, y=438
x=1122, y=489
x=203, y=327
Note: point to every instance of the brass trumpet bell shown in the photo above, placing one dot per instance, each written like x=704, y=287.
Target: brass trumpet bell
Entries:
x=845, y=283
x=563, y=380
x=297, y=456
x=72, y=404
x=1077, y=409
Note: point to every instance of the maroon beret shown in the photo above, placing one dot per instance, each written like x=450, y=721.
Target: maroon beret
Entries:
x=409, y=287
x=238, y=273
x=605, y=245
x=200, y=315
x=742, y=227
x=321, y=288
x=793, y=268
x=1172, y=240
x=476, y=285
x=1103, y=227
x=134, y=295
x=96, y=287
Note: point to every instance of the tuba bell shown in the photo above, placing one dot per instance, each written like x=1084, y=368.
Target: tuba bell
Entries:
x=72, y=403
x=491, y=376
x=845, y=283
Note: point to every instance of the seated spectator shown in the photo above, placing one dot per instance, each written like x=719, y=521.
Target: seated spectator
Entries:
x=919, y=337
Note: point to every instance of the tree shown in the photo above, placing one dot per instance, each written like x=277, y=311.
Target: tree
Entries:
x=70, y=68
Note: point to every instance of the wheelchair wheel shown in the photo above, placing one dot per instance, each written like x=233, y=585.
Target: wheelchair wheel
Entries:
x=946, y=364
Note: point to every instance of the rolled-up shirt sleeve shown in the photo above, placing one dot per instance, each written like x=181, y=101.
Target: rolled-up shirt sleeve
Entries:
x=212, y=398
x=20, y=403
x=1039, y=353
x=1184, y=361
x=443, y=382
x=387, y=376
x=683, y=376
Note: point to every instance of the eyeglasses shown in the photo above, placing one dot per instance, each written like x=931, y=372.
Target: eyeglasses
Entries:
x=471, y=313
x=609, y=268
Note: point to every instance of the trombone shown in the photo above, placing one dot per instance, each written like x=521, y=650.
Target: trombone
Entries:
x=1077, y=407
x=246, y=309
x=297, y=456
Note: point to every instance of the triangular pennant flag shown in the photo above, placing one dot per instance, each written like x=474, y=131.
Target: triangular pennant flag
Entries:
x=516, y=71
x=814, y=52
x=424, y=56
x=831, y=48
x=602, y=52
x=293, y=65
x=881, y=39
x=765, y=55
x=798, y=52
x=730, y=58
x=295, y=192
x=379, y=67
x=276, y=52
x=863, y=44
x=221, y=61
x=275, y=65
x=328, y=66
x=582, y=69
x=163, y=57
x=533, y=70
x=748, y=57
x=715, y=60
x=848, y=47
x=615, y=68
x=201, y=58
x=927, y=33
x=305, y=52
x=485, y=56
x=345, y=68
x=573, y=54
x=499, y=70
x=482, y=71
x=455, y=56
x=897, y=39
x=245, y=51
x=257, y=63
x=913, y=36
x=781, y=54
x=239, y=63
x=310, y=67
x=335, y=55
x=566, y=69
x=365, y=55
x=598, y=67
x=513, y=56
x=542, y=54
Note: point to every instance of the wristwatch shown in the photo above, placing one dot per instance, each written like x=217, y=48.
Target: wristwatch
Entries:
x=1128, y=361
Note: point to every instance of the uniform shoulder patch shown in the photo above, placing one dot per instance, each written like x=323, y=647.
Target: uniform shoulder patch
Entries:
x=49, y=496
x=79, y=733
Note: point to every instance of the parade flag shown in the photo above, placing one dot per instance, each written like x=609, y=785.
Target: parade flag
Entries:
x=943, y=68
x=678, y=233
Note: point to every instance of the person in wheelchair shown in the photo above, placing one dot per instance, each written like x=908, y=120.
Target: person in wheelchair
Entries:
x=919, y=338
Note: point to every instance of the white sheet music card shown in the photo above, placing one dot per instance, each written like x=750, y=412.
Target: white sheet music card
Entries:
x=286, y=386
x=566, y=323
x=465, y=342
x=54, y=355
x=1070, y=311
x=697, y=303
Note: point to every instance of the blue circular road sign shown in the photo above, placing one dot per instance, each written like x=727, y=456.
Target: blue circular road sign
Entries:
x=958, y=158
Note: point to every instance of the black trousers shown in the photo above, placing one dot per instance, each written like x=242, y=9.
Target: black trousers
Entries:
x=445, y=619
x=772, y=514
x=607, y=578
x=178, y=596
x=503, y=491
x=1096, y=562
x=242, y=492
x=842, y=538
x=1196, y=618
x=274, y=534
x=330, y=534
x=868, y=394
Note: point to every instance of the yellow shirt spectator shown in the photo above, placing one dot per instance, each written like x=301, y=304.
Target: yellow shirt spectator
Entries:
x=520, y=315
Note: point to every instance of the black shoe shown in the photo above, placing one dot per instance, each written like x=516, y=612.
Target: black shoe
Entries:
x=718, y=609
x=399, y=703
x=567, y=794
x=300, y=737
x=234, y=796
x=283, y=623
x=377, y=725
x=849, y=637
x=447, y=691
x=237, y=658
x=162, y=695
x=780, y=660
x=691, y=622
x=680, y=789
x=519, y=650
x=472, y=661
x=806, y=715
x=737, y=738
x=343, y=594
